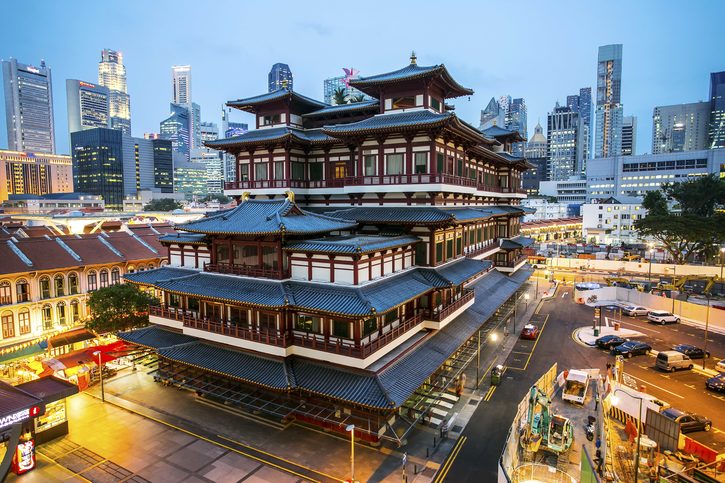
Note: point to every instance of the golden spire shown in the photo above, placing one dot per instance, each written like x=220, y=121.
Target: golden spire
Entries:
x=413, y=58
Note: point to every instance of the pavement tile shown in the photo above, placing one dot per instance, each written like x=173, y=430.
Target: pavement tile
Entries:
x=195, y=456
x=267, y=474
x=163, y=472
x=229, y=468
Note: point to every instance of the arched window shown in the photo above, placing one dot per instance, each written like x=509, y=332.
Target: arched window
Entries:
x=92, y=280
x=131, y=269
x=8, y=324
x=115, y=276
x=6, y=295
x=47, y=315
x=59, y=284
x=60, y=310
x=104, y=277
x=22, y=288
x=45, y=288
x=75, y=311
x=151, y=266
x=73, y=284
x=141, y=268
x=24, y=321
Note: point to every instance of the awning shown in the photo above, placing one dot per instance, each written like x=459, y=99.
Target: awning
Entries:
x=49, y=389
x=27, y=351
x=70, y=337
x=109, y=352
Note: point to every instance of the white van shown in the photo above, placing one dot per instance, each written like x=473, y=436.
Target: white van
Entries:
x=673, y=360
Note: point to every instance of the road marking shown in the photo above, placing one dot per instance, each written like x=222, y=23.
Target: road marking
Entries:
x=658, y=387
x=641, y=328
x=489, y=394
x=451, y=458
x=564, y=294
x=536, y=342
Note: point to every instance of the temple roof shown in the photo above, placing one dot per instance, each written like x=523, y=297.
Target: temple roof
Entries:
x=496, y=131
x=343, y=109
x=372, y=84
x=412, y=215
x=154, y=337
x=150, y=277
x=351, y=244
x=516, y=242
x=267, y=217
x=187, y=238
x=272, y=135
x=250, y=103
x=461, y=270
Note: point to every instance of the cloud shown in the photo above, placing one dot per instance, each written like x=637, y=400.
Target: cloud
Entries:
x=318, y=28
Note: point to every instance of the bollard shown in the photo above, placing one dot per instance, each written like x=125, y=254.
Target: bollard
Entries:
x=434, y=441
x=415, y=469
x=426, y=453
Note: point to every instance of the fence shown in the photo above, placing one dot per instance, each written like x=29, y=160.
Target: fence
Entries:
x=642, y=267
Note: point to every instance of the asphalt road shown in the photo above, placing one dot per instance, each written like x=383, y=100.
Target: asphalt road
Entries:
x=486, y=432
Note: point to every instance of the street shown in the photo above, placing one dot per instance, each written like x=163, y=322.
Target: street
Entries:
x=486, y=432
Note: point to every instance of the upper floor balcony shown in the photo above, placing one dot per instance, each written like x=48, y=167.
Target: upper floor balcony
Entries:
x=246, y=270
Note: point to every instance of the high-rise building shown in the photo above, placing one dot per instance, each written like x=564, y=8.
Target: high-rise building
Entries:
x=536, y=148
x=190, y=178
x=331, y=85
x=516, y=120
x=231, y=129
x=112, y=164
x=563, y=146
x=112, y=74
x=608, y=139
x=29, y=107
x=629, y=135
x=175, y=128
x=717, y=110
x=681, y=127
x=213, y=160
x=582, y=104
x=25, y=173
x=181, y=80
x=492, y=115
x=280, y=76
x=536, y=155
x=88, y=105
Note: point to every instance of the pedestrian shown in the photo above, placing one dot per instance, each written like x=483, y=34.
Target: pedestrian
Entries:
x=596, y=402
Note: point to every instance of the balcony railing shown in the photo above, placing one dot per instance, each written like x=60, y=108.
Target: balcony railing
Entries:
x=250, y=271
x=485, y=248
x=511, y=264
x=370, y=344
x=447, y=310
x=397, y=179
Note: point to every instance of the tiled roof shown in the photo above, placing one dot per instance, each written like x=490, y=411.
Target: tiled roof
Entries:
x=468, y=214
x=462, y=270
x=249, y=103
x=155, y=337
x=394, y=215
x=412, y=72
x=13, y=399
x=267, y=217
x=181, y=237
x=150, y=277
x=244, y=290
x=498, y=131
x=271, y=373
x=503, y=210
x=343, y=109
x=413, y=119
x=49, y=388
x=394, y=291
x=524, y=241
x=327, y=298
x=275, y=134
x=351, y=244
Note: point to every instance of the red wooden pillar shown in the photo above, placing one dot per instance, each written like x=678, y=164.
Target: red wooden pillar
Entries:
x=433, y=158
x=287, y=171
x=409, y=155
x=360, y=161
x=332, y=268
x=355, y=273
x=381, y=156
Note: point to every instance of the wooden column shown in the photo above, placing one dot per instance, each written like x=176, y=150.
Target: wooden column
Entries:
x=409, y=155
x=360, y=161
x=381, y=156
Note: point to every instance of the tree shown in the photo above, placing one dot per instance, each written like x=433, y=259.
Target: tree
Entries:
x=164, y=204
x=217, y=197
x=693, y=225
x=339, y=96
x=118, y=307
x=357, y=98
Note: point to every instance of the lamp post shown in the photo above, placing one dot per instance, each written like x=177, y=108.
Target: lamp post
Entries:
x=615, y=401
x=351, y=429
x=651, y=254
x=722, y=261
x=100, y=374
x=707, y=324
x=526, y=298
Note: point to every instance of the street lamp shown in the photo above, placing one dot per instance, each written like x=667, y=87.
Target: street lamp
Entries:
x=651, y=254
x=100, y=374
x=722, y=261
x=615, y=401
x=351, y=429
x=707, y=325
x=526, y=298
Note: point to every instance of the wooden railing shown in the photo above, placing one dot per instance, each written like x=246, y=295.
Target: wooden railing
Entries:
x=369, y=345
x=511, y=264
x=250, y=271
x=485, y=248
x=444, y=312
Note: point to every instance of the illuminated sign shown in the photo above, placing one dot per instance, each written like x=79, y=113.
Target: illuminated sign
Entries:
x=32, y=69
x=24, y=459
x=86, y=84
x=19, y=416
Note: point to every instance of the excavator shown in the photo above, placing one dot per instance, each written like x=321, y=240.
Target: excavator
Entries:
x=543, y=430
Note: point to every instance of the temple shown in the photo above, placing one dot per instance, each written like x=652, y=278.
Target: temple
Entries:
x=371, y=244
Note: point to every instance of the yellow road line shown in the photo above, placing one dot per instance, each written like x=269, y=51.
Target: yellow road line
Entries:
x=489, y=395
x=486, y=371
x=537, y=341
x=451, y=458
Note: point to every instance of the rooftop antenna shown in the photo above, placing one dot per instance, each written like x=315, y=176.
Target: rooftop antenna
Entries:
x=413, y=58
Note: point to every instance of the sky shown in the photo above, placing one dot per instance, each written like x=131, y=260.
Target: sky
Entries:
x=541, y=51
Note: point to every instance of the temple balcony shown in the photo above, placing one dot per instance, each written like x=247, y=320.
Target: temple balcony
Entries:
x=246, y=270
x=511, y=265
x=491, y=247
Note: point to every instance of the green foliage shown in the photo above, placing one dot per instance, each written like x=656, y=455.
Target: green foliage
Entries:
x=217, y=197
x=164, y=204
x=118, y=307
x=357, y=98
x=339, y=96
x=693, y=226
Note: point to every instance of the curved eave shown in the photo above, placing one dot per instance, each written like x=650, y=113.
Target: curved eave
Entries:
x=270, y=233
x=182, y=242
x=453, y=89
x=350, y=252
x=387, y=129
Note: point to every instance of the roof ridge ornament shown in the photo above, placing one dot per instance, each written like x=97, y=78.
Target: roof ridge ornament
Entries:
x=413, y=58
x=245, y=196
x=290, y=196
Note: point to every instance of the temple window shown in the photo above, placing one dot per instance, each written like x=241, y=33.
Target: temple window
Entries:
x=269, y=257
x=316, y=171
x=222, y=253
x=267, y=322
x=279, y=170
x=370, y=326
x=370, y=164
x=244, y=172
x=341, y=328
x=421, y=163
x=390, y=317
x=174, y=300
x=403, y=102
x=271, y=119
x=260, y=171
x=440, y=161
x=394, y=164
x=340, y=170
x=308, y=323
x=298, y=171
x=435, y=104
x=239, y=316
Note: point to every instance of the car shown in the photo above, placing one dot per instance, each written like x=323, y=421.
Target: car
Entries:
x=662, y=317
x=716, y=383
x=720, y=366
x=691, y=351
x=635, y=310
x=631, y=348
x=688, y=421
x=609, y=341
x=530, y=331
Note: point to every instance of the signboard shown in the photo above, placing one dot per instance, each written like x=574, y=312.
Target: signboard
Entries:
x=19, y=416
x=24, y=459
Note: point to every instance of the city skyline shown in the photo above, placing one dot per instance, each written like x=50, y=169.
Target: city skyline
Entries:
x=216, y=59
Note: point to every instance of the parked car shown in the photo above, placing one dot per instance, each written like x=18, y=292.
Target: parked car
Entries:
x=530, y=331
x=662, y=317
x=716, y=383
x=691, y=351
x=609, y=341
x=635, y=310
x=688, y=421
x=673, y=360
x=631, y=348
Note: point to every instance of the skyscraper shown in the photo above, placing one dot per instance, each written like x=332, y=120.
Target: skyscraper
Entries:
x=608, y=139
x=24, y=173
x=629, y=135
x=582, y=104
x=516, y=120
x=175, y=128
x=112, y=74
x=563, y=146
x=717, y=110
x=181, y=86
x=536, y=147
x=492, y=115
x=231, y=129
x=279, y=76
x=29, y=107
x=682, y=127
x=536, y=155
x=88, y=105
x=333, y=84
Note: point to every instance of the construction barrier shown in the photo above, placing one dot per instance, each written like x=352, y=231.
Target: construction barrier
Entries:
x=705, y=453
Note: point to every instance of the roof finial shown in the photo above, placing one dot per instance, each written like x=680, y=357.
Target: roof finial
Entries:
x=413, y=58
x=284, y=83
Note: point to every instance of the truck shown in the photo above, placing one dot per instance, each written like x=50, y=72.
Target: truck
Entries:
x=575, y=387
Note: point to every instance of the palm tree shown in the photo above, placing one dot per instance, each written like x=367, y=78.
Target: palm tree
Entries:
x=357, y=98
x=339, y=96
